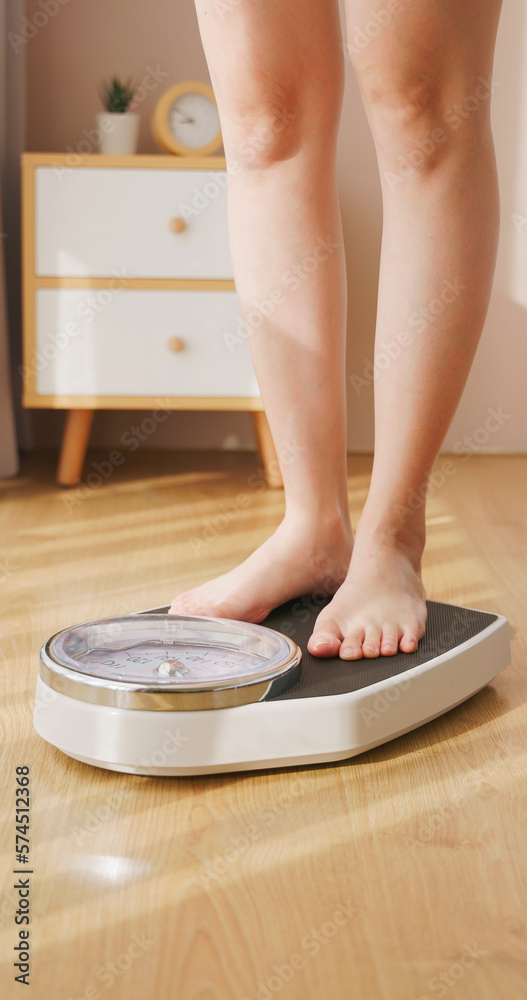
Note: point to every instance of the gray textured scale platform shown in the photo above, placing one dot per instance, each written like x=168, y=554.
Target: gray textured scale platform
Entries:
x=304, y=712
x=448, y=626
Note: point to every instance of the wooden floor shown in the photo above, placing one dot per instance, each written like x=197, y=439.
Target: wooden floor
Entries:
x=399, y=875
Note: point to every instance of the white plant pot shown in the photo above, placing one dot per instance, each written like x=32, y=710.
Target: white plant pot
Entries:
x=118, y=132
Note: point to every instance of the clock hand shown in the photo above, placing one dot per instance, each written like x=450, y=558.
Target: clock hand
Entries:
x=185, y=121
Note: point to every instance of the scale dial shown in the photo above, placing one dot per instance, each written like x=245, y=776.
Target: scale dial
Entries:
x=163, y=661
x=195, y=662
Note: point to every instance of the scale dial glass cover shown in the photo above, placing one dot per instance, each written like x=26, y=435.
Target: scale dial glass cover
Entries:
x=169, y=653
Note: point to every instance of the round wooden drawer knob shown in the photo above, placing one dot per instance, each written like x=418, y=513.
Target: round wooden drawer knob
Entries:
x=177, y=225
x=176, y=344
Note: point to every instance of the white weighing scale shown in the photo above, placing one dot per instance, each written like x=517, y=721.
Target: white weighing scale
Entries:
x=158, y=694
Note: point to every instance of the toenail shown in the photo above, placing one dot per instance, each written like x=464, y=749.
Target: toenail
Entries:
x=347, y=652
x=323, y=642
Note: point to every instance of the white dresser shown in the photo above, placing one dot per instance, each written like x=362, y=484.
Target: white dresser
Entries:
x=129, y=298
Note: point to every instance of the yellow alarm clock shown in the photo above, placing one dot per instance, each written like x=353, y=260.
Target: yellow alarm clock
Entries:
x=185, y=120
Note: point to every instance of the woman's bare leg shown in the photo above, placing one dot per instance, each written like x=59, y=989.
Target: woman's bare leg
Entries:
x=277, y=71
x=425, y=80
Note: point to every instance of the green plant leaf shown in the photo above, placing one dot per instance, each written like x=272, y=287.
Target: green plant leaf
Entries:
x=117, y=95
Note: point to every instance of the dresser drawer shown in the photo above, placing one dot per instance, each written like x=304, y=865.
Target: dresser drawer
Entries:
x=98, y=222
x=97, y=342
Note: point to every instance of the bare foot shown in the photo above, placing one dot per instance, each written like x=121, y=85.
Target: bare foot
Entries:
x=302, y=556
x=381, y=606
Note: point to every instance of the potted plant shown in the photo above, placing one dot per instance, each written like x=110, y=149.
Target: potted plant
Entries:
x=118, y=127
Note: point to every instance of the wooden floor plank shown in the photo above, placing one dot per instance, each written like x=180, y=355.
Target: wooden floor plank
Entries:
x=399, y=875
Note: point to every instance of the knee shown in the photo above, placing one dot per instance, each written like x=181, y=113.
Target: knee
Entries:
x=403, y=104
x=263, y=135
x=420, y=120
x=260, y=131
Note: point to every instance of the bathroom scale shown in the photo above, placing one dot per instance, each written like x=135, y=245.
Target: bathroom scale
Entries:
x=158, y=694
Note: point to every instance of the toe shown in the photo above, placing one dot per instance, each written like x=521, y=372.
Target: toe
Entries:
x=326, y=639
x=410, y=638
x=186, y=604
x=389, y=641
x=351, y=648
x=179, y=606
x=372, y=639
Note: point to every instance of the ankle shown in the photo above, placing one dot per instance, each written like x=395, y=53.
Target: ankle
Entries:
x=386, y=528
x=327, y=522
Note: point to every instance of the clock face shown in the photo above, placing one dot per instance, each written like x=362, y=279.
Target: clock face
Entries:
x=185, y=120
x=193, y=120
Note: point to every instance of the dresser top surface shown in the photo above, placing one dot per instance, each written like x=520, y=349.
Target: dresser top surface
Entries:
x=138, y=160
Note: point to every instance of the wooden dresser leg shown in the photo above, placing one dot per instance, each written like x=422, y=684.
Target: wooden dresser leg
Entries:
x=267, y=450
x=74, y=444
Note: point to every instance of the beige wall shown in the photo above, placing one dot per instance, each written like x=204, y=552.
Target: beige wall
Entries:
x=89, y=39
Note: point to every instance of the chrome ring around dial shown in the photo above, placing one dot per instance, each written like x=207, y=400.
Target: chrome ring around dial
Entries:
x=160, y=662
